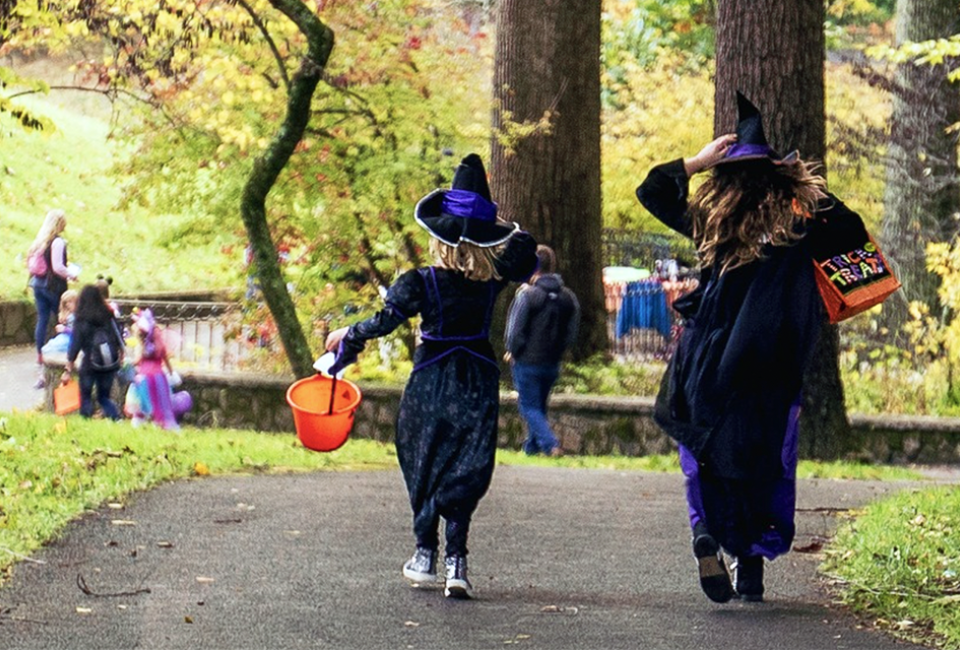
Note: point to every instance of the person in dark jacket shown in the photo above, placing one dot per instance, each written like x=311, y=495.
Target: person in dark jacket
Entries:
x=541, y=325
x=94, y=314
x=730, y=396
x=447, y=424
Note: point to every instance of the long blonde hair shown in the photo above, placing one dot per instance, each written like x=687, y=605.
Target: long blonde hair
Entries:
x=745, y=206
x=53, y=225
x=474, y=262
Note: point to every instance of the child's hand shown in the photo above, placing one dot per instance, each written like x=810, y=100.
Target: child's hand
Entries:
x=712, y=153
x=334, y=338
x=59, y=329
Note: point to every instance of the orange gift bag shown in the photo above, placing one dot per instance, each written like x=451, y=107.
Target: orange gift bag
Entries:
x=852, y=274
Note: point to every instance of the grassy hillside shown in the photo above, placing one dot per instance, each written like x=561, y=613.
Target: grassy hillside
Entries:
x=68, y=170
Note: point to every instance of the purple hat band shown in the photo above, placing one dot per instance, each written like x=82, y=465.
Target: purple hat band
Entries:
x=463, y=203
x=741, y=150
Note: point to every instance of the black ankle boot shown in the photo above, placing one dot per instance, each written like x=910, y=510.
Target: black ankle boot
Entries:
x=748, y=573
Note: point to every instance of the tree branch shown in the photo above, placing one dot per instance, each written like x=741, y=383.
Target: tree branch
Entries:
x=266, y=36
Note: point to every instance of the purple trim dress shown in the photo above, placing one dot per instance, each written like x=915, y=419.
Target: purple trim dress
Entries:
x=447, y=422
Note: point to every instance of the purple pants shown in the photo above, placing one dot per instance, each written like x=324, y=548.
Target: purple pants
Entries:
x=747, y=517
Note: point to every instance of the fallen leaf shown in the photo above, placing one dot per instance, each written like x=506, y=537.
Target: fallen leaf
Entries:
x=188, y=619
x=201, y=469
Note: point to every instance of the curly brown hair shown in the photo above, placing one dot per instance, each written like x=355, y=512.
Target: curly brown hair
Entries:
x=745, y=206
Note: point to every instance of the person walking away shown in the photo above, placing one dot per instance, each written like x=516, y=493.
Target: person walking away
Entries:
x=731, y=394
x=542, y=323
x=49, y=274
x=446, y=434
x=96, y=334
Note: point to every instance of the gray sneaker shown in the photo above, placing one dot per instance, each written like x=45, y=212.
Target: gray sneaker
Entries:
x=422, y=567
x=457, y=585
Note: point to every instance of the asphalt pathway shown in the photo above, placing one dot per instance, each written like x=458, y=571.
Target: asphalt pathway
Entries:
x=560, y=558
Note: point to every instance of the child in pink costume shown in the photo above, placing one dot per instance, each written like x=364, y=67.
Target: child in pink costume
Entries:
x=154, y=395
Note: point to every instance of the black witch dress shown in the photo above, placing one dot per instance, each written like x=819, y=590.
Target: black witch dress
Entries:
x=730, y=394
x=447, y=423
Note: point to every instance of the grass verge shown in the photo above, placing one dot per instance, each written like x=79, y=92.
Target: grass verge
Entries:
x=898, y=563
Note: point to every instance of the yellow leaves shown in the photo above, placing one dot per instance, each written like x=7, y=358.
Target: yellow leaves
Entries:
x=201, y=469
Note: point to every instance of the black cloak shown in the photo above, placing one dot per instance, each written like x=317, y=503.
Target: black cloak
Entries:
x=748, y=336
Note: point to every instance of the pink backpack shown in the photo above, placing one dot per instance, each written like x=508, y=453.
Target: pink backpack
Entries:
x=36, y=264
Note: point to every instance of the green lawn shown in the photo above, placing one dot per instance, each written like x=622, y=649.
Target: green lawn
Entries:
x=136, y=246
x=898, y=564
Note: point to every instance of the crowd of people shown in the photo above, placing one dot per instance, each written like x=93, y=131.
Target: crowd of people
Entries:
x=90, y=333
x=730, y=397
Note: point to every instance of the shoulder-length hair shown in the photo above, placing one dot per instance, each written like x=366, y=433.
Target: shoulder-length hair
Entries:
x=745, y=206
x=474, y=262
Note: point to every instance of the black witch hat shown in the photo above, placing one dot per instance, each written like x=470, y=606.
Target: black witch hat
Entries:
x=751, y=141
x=465, y=212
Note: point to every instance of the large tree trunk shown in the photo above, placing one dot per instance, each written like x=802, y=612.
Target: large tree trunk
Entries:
x=266, y=169
x=922, y=200
x=548, y=66
x=775, y=56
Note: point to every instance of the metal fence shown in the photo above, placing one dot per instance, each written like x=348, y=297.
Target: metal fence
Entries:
x=206, y=335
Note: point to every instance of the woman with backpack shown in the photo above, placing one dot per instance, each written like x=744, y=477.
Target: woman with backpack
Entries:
x=49, y=274
x=96, y=334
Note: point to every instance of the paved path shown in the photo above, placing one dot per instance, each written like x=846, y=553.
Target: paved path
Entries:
x=18, y=373
x=560, y=559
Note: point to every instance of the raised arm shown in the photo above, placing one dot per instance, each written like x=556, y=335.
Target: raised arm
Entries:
x=664, y=191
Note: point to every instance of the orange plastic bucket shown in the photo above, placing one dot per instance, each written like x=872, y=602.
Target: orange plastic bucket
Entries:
x=317, y=427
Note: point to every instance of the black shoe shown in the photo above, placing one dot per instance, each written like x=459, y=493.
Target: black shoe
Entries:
x=457, y=585
x=748, y=576
x=714, y=579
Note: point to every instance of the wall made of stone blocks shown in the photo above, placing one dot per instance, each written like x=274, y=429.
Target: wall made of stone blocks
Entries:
x=584, y=424
x=18, y=319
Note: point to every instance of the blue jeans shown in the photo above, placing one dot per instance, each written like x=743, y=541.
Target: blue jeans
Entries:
x=47, y=307
x=104, y=383
x=533, y=384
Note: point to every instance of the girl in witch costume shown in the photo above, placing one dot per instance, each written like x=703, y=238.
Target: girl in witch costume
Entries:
x=447, y=424
x=731, y=394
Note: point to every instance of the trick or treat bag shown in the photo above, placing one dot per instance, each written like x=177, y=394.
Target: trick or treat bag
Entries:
x=852, y=274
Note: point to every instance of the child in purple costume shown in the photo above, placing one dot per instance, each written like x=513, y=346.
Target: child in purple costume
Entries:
x=730, y=396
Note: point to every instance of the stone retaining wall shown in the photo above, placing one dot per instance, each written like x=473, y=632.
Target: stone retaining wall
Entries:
x=585, y=424
x=18, y=319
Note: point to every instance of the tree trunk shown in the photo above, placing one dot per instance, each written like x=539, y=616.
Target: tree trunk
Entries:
x=266, y=169
x=921, y=201
x=548, y=66
x=775, y=56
